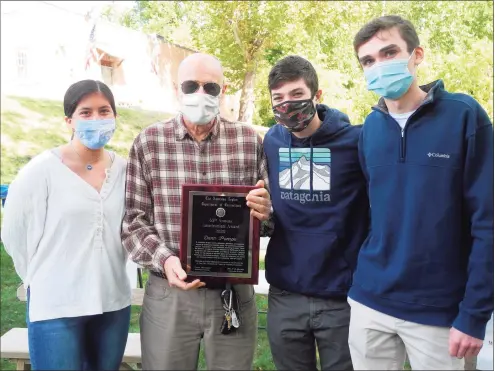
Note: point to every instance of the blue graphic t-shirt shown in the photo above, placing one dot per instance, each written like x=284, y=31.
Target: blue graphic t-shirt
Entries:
x=298, y=171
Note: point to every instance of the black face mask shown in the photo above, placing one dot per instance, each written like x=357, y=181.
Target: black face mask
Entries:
x=295, y=115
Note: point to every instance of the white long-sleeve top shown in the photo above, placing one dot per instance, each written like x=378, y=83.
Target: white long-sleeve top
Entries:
x=64, y=239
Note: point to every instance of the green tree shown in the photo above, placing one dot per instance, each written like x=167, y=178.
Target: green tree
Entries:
x=251, y=36
x=243, y=35
x=160, y=17
x=240, y=33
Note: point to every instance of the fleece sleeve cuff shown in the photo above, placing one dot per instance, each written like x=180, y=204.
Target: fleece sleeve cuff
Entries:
x=472, y=326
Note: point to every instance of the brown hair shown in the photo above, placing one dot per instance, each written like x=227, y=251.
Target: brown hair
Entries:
x=292, y=68
x=406, y=31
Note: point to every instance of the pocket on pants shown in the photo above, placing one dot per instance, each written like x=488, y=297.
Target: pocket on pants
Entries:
x=155, y=290
x=247, y=296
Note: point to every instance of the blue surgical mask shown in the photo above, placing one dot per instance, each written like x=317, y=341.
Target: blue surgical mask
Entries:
x=94, y=134
x=389, y=79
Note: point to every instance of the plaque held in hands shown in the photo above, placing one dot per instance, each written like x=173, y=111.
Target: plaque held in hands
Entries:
x=219, y=238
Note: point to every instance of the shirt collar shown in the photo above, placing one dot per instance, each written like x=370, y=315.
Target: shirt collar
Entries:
x=181, y=132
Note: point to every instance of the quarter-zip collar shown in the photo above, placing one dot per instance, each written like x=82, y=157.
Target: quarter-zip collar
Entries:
x=432, y=90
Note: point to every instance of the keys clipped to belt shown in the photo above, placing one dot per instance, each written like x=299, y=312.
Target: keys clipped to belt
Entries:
x=230, y=301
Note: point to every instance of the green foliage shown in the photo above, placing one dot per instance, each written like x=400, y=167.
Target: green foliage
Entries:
x=241, y=33
x=254, y=35
x=160, y=17
x=457, y=38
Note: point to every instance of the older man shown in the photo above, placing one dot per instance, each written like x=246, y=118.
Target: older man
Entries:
x=197, y=146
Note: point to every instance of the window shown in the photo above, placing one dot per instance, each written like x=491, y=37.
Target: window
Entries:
x=21, y=64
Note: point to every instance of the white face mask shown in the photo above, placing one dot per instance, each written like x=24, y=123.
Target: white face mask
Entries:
x=199, y=108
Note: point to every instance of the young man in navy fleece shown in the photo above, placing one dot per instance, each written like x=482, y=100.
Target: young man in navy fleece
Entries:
x=424, y=278
x=320, y=214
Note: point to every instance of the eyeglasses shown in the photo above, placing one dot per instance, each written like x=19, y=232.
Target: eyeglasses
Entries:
x=210, y=88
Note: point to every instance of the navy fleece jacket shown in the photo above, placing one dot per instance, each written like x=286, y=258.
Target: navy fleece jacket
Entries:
x=429, y=256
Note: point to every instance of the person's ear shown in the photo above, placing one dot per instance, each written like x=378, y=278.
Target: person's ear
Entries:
x=318, y=95
x=70, y=125
x=224, y=88
x=419, y=54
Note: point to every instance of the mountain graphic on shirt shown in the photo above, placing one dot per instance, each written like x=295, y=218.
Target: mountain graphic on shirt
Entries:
x=301, y=169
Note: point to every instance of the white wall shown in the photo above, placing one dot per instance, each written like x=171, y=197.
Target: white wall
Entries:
x=485, y=357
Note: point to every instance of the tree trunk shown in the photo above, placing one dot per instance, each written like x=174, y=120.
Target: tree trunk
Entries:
x=246, y=108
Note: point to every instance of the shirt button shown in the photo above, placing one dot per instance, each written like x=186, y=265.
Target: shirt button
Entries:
x=204, y=173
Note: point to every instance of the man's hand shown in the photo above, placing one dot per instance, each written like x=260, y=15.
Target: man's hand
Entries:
x=259, y=201
x=176, y=275
x=462, y=345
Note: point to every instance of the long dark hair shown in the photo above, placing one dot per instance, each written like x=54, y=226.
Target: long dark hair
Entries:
x=80, y=90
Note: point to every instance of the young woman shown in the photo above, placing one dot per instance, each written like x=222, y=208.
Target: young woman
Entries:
x=61, y=227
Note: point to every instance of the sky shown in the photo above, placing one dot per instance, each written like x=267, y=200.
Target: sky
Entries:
x=81, y=7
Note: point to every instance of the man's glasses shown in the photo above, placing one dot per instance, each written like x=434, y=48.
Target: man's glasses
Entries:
x=210, y=88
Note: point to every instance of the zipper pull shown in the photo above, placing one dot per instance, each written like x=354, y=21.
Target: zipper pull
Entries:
x=402, y=132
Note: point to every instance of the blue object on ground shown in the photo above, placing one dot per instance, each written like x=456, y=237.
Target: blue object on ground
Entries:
x=4, y=189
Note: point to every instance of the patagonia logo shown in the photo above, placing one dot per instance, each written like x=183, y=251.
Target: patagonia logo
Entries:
x=438, y=155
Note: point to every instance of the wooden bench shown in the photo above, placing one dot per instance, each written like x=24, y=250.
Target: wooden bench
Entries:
x=137, y=295
x=14, y=346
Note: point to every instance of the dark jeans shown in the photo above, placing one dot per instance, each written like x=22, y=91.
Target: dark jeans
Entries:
x=298, y=324
x=79, y=343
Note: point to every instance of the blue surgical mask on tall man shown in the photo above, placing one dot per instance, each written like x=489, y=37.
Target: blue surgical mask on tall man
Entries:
x=389, y=79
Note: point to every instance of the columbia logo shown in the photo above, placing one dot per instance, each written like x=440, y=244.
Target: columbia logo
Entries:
x=439, y=155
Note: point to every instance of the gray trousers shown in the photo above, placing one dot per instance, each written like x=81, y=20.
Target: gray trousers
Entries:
x=299, y=324
x=173, y=322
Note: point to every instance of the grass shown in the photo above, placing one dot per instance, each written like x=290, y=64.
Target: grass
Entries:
x=30, y=126
x=13, y=312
